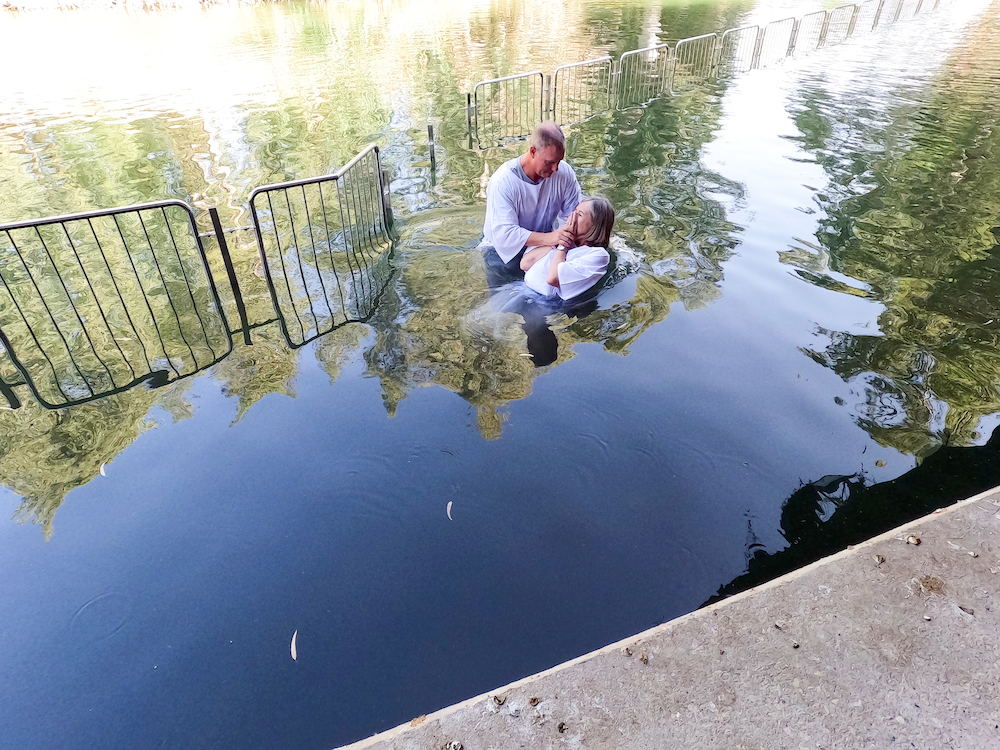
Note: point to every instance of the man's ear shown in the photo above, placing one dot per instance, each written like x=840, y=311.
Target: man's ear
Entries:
x=531, y=151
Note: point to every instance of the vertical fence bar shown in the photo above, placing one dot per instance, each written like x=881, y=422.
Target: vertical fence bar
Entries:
x=227, y=260
x=468, y=112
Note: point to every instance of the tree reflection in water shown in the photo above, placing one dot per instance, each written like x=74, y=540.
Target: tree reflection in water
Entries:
x=913, y=220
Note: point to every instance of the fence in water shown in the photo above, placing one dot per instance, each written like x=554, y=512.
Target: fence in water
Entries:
x=507, y=108
x=95, y=303
x=323, y=243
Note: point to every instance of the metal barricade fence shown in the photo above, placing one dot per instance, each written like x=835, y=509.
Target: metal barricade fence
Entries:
x=695, y=61
x=95, y=303
x=644, y=74
x=839, y=24
x=582, y=90
x=92, y=304
x=505, y=108
x=867, y=17
x=809, y=35
x=776, y=42
x=324, y=245
x=508, y=107
x=738, y=50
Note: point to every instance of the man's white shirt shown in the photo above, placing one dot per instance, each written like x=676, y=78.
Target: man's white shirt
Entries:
x=516, y=207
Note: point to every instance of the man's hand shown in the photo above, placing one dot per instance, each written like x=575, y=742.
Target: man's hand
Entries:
x=562, y=236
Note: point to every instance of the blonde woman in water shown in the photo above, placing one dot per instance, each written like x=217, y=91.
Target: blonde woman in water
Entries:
x=568, y=272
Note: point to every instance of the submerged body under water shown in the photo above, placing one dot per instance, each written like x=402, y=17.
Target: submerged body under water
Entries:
x=509, y=294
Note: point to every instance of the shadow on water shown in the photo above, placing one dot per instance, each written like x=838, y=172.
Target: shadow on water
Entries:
x=824, y=517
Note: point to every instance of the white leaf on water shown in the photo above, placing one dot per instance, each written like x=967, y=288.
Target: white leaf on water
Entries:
x=294, y=654
x=102, y=471
x=449, y=510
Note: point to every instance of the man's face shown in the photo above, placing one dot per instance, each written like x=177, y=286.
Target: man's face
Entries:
x=546, y=160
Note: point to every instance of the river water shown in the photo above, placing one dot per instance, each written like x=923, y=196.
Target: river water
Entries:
x=804, y=316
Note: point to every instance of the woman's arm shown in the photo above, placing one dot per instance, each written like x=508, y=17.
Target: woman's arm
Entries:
x=534, y=254
x=557, y=257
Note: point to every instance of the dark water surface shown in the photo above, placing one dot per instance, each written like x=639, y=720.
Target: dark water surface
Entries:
x=806, y=307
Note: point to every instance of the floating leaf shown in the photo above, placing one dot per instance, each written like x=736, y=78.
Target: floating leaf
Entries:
x=294, y=653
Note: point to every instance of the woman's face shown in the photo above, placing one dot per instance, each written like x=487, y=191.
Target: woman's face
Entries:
x=581, y=219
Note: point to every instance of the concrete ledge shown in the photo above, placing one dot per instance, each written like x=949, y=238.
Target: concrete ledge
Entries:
x=891, y=643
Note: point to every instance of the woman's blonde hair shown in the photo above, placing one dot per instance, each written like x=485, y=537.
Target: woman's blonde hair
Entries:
x=602, y=216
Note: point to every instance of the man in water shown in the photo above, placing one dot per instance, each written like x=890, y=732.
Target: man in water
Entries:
x=525, y=199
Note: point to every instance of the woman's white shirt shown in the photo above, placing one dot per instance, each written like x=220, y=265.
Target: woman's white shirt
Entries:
x=583, y=267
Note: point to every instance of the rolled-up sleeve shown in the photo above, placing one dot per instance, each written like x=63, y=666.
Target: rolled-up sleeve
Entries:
x=582, y=272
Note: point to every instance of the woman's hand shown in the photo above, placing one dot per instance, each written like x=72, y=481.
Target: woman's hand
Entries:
x=572, y=223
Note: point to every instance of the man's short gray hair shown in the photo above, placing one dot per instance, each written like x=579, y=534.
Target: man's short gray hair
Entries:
x=547, y=134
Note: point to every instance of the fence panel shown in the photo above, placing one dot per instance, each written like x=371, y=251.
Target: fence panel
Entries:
x=581, y=90
x=776, y=43
x=867, y=17
x=810, y=33
x=695, y=61
x=644, y=74
x=738, y=50
x=93, y=304
x=324, y=246
x=840, y=24
x=507, y=107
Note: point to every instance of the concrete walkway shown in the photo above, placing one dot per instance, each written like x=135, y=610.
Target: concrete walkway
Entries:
x=890, y=644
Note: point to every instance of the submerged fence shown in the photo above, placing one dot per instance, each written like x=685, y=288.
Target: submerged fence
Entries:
x=323, y=245
x=93, y=304
x=507, y=108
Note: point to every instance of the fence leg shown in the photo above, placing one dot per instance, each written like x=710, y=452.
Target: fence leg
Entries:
x=549, y=99
x=793, y=39
x=5, y=389
x=220, y=236
x=468, y=113
x=854, y=18
x=387, y=199
x=822, y=31
x=430, y=138
x=878, y=15
x=757, y=46
x=8, y=393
